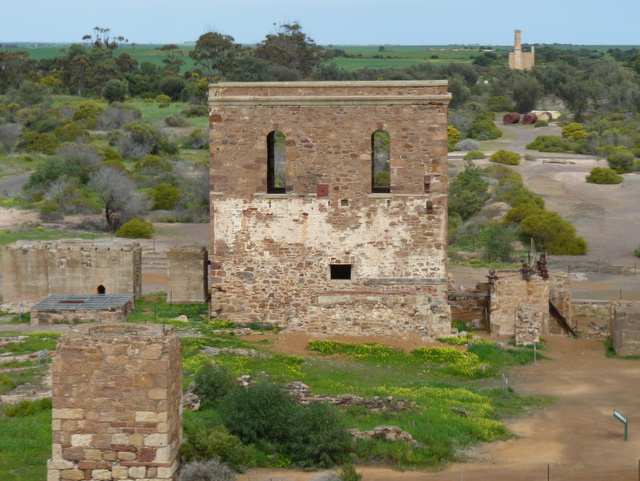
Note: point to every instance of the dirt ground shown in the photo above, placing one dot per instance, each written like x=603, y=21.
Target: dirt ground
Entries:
x=576, y=437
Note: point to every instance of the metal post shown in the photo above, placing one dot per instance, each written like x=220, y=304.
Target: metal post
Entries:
x=548, y=472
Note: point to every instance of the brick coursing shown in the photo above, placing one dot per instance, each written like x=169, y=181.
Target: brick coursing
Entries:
x=116, y=404
x=270, y=253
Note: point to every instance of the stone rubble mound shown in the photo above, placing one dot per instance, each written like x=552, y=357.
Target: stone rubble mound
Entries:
x=386, y=433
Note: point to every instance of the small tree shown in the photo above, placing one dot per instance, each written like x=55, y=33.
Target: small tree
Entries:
x=215, y=53
x=118, y=195
x=115, y=91
x=136, y=229
x=526, y=91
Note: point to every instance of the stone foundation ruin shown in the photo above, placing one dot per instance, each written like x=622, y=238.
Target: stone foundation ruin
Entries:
x=329, y=206
x=101, y=308
x=117, y=394
x=33, y=270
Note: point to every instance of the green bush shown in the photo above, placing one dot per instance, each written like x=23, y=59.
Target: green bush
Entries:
x=499, y=103
x=172, y=86
x=70, y=132
x=468, y=193
x=550, y=143
x=484, y=128
x=505, y=157
x=211, y=470
x=498, y=240
x=213, y=382
x=165, y=196
x=574, y=132
x=115, y=90
x=621, y=160
x=453, y=136
x=202, y=443
x=349, y=473
x=521, y=211
x=87, y=114
x=637, y=252
x=163, y=100
x=541, y=123
x=553, y=234
x=46, y=143
x=604, y=175
x=136, y=229
x=474, y=155
x=197, y=139
x=264, y=413
x=176, y=121
x=196, y=111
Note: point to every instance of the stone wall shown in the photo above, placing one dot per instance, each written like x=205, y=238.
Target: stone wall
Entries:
x=116, y=404
x=528, y=325
x=625, y=327
x=560, y=296
x=188, y=272
x=508, y=292
x=271, y=253
x=33, y=270
x=78, y=316
x=592, y=317
x=471, y=306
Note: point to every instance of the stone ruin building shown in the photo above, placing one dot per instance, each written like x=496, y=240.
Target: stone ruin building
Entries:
x=329, y=205
x=34, y=270
x=117, y=394
x=518, y=59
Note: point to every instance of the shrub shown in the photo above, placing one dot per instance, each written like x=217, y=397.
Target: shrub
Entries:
x=172, y=87
x=498, y=242
x=46, y=143
x=115, y=90
x=541, y=123
x=499, y=103
x=468, y=145
x=262, y=412
x=505, y=157
x=550, y=143
x=521, y=211
x=474, y=155
x=213, y=382
x=553, y=234
x=153, y=164
x=141, y=139
x=136, y=228
x=197, y=139
x=176, y=121
x=621, y=160
x=30, y=93
x=574, y=132
x=9, y=135
x=117, y=116
x=88, y=113
x=468, y=193
x=309, y=436
x=453, y=136
x=203, y=443
x=70, y=132
x=484, y=128
x=196, y=111
x=637, y=252
x=163, y=100
x=206, y=471
x=349, y=473
x=604, y=175
x=165, y=196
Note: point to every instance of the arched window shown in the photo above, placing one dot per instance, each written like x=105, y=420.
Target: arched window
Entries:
x=380, y=162
x=276, y=162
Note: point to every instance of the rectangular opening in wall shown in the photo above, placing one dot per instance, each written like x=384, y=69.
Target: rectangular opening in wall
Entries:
x=341, y=272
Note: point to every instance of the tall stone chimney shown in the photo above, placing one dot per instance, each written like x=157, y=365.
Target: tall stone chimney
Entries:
x=517, y=43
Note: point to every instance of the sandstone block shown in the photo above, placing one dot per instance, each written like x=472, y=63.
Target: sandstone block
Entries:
x=137, y=472
x=100, y=474
x=81, y=440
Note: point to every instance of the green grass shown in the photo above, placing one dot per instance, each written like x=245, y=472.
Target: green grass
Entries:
x=25, y=446
x=36, y=341
x=154, y=308
x=8, y=236
x=152, y=112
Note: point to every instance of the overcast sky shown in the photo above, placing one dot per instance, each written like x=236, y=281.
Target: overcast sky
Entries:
x=410, y=22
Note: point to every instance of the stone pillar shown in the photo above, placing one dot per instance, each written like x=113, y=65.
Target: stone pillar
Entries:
x=187, y=275
x=560, y=296
x=529, y=324
x=625, y=327
x=116, y=404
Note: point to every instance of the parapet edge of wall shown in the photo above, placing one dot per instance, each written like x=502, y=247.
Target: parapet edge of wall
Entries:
x=337, y=83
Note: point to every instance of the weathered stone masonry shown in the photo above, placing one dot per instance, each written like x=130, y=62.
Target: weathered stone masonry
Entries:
x=271, y=253
x=116, y=404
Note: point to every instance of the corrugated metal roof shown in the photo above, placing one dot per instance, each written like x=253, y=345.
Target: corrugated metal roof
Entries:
x=94, y=302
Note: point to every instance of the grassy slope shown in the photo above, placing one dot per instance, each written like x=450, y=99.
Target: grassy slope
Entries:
x=368, y=371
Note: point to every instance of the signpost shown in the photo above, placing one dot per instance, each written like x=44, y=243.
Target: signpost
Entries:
x=617, y=415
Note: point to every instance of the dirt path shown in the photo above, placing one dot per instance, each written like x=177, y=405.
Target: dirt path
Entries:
x=576, y=435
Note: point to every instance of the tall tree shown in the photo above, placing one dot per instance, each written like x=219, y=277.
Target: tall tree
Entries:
x=215, y=53
x=292, y=48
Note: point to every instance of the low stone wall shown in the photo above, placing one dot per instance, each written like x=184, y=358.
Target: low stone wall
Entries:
x=625, y=327
x=591, y=317
x=116, y=404
x=187, y=269
x=79, y=316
